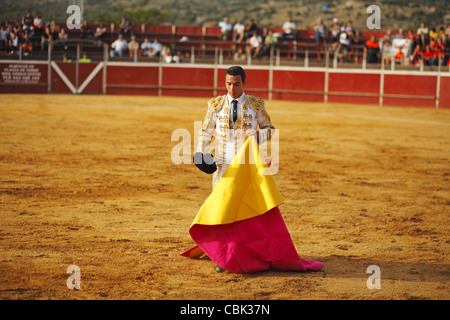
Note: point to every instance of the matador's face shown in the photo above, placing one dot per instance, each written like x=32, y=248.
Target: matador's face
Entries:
x=235, y=85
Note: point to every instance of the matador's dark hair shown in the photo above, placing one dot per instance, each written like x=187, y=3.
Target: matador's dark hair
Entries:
x=236, y=71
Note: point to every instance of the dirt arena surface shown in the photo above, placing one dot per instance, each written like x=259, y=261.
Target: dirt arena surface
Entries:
x=89, y=181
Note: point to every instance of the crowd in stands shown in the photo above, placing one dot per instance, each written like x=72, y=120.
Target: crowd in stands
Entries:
x=409, y=47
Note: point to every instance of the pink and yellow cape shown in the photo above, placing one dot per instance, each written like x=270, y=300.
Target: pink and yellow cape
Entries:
x=240, y=226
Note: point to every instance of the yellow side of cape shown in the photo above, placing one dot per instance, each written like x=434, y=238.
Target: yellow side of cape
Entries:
x=243, y=191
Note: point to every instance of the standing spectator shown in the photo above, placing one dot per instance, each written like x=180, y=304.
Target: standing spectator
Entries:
x=125, y=26
x=250, y=29
x=226, y=29
x=238, y=32
x=133, y=46
x=100, y=34
x=289, y=30
x=372, y=48
x=27, y=22
x=86, y=32
x=335, y=30
x=422, y=35
x=254, y=45
x=119, y=47
x=270, y=41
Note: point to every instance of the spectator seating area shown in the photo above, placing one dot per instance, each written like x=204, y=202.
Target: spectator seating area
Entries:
x=198, y=42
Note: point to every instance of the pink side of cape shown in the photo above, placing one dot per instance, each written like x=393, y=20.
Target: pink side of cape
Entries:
x=256, y=244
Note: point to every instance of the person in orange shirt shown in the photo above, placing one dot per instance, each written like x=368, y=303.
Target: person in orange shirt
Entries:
x=372, y=48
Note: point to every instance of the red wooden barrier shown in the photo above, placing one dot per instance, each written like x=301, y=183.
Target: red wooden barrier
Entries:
x=421, y=89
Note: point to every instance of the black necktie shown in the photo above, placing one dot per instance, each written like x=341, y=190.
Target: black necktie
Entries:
x=234, y=103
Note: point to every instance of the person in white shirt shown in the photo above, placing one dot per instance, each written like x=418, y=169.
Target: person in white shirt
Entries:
x=289, y=30
x=254, y=44
x=226, y=29
x=157, y=47
x=119, y=47
x=238, y=31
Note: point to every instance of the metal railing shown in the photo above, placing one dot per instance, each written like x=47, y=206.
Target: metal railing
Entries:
x=218, y=52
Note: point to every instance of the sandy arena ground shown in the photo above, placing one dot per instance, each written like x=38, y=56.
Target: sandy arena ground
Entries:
x=88, y=181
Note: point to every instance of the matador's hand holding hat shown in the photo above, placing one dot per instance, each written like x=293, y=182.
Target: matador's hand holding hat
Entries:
x=205, y=162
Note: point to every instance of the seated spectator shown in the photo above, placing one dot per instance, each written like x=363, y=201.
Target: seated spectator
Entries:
x=372, y=49
x=254, y=45
x=238, y=32
x=62, y=39
x=27, y=22
x=86, y=32
x=240, y=55
x=447, y=35
x=250, y=29
x=157, y=47
x=441, y=34
x=12, y=43
x=400, y=34
x=66, y=59
x=432, y=35
x=226, y=29
x=100, y=34
x=27, y=44
x=145, y=47
x=84, y=58
x=17, y=29
x=119, y=47
x=429, y=56
x=320, y=32
x=3, y=37
x=125, y=26
x=177, y=58
x=38, y=26
x=439, y=49
x=349, y=28
x=133, y=46
x=335, y=30
x=270, y=41
x=344, y=46
x=46, y=38
x=289, y=30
